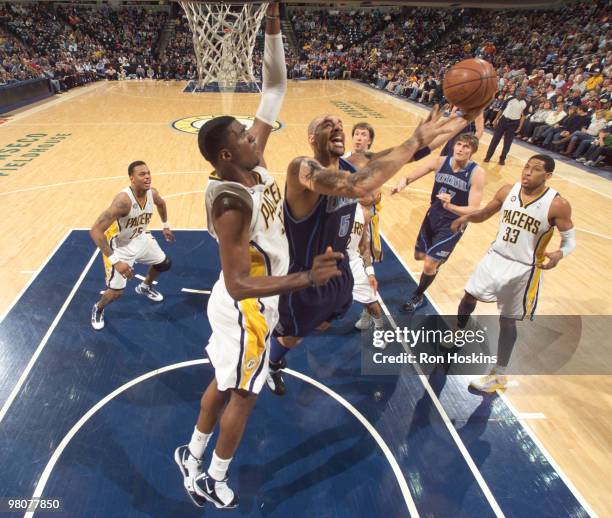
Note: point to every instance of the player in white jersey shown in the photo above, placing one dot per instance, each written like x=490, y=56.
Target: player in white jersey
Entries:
x=244, y=211
x=121, y=234
x=365, y=285
x=511, y=272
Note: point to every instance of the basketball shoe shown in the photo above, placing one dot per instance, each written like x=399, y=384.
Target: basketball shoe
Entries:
x=215, y=491
x=149, y=292
x=97, y=318
x=490, y=383
x=190, y=468
x=275, y=380
x=365, y=321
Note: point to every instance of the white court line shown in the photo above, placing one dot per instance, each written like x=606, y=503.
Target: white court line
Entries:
x=201, y=292
x=449, y=425
x=45, y=338
x=178, y=194
x=28, y=284
x=530, y=415
x=531, y=434
x=142, y=278
x=604, y=236
x=89, y=180
x=44, y=478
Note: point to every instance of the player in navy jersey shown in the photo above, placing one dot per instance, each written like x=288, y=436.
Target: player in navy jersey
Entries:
x=319, y=208
x=457, y=191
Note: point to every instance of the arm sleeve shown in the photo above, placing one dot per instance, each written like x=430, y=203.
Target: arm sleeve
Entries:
x=274, y=79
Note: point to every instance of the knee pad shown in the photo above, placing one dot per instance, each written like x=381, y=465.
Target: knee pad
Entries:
x=164, y=266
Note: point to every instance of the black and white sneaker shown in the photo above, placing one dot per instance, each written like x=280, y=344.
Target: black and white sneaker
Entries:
x=149, y=292
x=190, y=468
x=414, y=303
x=217, y=492
x=275, y=380
x=97, y=318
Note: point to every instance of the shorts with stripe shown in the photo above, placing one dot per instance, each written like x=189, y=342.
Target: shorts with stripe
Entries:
x=142, y=249
x=436, y=239
x=240, y=342
x=513, y=285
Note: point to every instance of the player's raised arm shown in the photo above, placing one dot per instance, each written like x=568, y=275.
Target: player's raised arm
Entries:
x=274, y=80
x=425, y=166
x=491, y=208
x=316, y=178
x=231, y=218
x=160, y=203
x=560, y=215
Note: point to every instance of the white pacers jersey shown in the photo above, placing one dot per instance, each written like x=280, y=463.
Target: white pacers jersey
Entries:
x=524, y=230
x=125, y=229
x=356, y=233
x=240, y=341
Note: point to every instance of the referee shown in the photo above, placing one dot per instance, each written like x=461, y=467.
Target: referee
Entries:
x=506, y=123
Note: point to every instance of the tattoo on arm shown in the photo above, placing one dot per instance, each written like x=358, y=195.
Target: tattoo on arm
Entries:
x=329, y=179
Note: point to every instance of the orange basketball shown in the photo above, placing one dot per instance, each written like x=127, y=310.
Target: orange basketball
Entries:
x=470, y=83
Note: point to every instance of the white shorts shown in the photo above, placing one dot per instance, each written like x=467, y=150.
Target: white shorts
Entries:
x=142, y=249
x=362, y=291
x=514, y=286
x=239, y=346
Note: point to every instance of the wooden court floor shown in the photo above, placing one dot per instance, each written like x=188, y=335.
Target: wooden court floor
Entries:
x=72, y=156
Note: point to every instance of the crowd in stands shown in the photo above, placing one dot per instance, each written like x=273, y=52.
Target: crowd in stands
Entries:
x=75, y=45
x=561, y=57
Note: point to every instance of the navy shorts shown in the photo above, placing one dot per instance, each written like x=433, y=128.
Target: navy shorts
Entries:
x=301, y=312
x=436, y=239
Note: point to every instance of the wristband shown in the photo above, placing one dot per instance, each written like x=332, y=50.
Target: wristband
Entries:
x=165, y=224
x=369, y=270
x=272, y=17
x=113, y=259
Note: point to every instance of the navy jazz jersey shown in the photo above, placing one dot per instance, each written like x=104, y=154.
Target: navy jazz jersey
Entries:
x=328, y=224
x=457, y=184
x=435, y=238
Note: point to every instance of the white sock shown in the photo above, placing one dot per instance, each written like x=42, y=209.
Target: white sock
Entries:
x=218, y=467
x=378, y=322
x=198, y=443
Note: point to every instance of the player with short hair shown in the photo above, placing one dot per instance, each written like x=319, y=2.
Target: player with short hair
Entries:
x=457, y=191
x=244, y=214
x=365, y=285
x=511, y=271
x=120, y=233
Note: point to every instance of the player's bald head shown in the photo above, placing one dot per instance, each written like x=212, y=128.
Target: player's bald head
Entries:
x=314, y=123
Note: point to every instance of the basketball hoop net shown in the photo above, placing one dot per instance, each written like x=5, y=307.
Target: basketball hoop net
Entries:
x=223, y=39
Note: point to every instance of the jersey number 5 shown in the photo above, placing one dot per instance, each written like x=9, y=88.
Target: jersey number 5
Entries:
x=511, y=235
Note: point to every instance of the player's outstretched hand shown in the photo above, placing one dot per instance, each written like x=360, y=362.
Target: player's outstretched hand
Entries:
x=400, y=186
x=553, y=259
x=325, y=267
x=435, y=125
x=124, y=269
x=459, y=224
x=168, y=235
